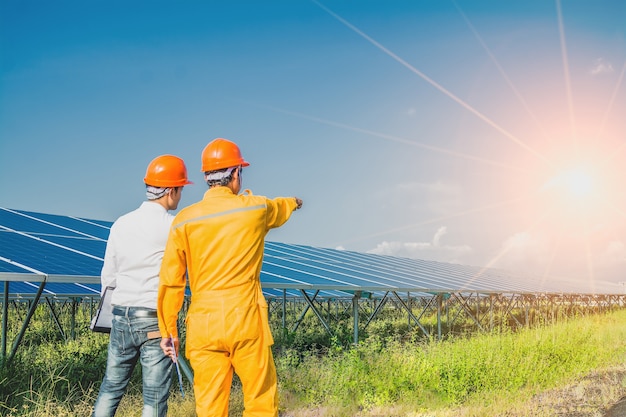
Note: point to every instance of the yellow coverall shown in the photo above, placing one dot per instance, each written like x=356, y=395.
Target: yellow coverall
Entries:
x=218, y=244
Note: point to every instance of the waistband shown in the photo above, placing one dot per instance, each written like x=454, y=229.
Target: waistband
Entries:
x=248, y=293
x=134, y=312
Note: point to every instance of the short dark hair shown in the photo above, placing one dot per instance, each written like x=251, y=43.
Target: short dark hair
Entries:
x=222, y=182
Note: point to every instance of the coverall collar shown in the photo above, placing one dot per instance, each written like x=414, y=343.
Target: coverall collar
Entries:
x=217, y=191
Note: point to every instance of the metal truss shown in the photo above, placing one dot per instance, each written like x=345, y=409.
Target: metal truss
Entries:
x=442, y=314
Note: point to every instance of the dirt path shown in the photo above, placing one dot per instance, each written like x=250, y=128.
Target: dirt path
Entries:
x=618, y=410
x=601, y=393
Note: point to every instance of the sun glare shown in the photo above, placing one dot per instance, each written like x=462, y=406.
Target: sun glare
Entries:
x=576, y=183
x=569, y=198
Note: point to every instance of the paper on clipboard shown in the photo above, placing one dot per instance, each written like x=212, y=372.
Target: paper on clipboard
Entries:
x=103, y=318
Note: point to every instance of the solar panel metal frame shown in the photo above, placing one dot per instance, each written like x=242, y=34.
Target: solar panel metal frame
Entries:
x=285, y=266
x=296, y=271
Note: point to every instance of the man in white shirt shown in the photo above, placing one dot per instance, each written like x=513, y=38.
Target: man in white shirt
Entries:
x=132, y=262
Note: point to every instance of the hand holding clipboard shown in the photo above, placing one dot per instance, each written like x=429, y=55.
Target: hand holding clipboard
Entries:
x=170, y=348
x=175, y=359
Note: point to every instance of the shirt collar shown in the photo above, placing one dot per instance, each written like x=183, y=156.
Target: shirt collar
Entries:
x=153, y=206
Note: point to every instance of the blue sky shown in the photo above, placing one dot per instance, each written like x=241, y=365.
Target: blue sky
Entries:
x=478, y=132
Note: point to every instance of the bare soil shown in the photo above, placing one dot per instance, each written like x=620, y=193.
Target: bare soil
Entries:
x=600, y=394
x=617, y=410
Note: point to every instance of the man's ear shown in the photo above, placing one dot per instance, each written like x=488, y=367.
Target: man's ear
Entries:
x=174, y=191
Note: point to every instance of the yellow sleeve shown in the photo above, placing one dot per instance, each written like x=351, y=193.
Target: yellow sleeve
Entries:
x=172, y=280
x=279, y=210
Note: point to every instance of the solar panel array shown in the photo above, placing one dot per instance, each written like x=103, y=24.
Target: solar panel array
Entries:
x=68, y=253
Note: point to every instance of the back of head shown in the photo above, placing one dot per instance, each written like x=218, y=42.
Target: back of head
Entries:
x=220, y=154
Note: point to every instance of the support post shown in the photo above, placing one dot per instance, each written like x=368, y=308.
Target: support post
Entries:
x=355, y=313
x=5, y=314
x=439, y=303
x=74, y=307
x=284, y=310
x=31, y=311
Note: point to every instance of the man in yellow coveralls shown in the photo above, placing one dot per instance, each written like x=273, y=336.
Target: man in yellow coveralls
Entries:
x=218, y=243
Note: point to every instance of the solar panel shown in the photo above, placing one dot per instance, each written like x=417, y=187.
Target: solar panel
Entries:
x=9, y=267
x=87, y=228
x=68, y=252
x=40, y=223
x=45, y=256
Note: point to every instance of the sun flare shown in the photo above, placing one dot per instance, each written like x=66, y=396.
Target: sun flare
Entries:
x=576, y=198
x=577, y=182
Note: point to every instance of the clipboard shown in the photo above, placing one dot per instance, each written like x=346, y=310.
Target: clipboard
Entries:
x=103, y=318
x=180, y=376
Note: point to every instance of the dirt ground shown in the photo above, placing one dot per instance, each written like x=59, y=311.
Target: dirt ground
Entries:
x=600, y=394
x=618, y=410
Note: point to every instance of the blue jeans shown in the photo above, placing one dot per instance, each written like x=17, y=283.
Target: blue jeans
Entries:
x=128, y=343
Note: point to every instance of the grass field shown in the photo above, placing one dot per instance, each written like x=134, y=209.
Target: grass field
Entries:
x=574, y=368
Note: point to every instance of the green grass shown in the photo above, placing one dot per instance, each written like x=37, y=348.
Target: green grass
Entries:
x=383, y=375
x=444, y=375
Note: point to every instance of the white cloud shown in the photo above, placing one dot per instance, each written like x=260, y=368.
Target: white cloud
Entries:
x=433, y=250
x=437, y=239
x=523, y=251
x=601, y=66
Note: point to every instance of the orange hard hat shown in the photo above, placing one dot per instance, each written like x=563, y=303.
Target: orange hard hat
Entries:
x=221, y=153
x=166, y=171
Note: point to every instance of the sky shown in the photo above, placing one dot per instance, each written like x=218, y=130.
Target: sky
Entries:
x=488, y=133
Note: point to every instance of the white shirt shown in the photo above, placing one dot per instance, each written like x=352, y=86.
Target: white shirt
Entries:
x=133, y=255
